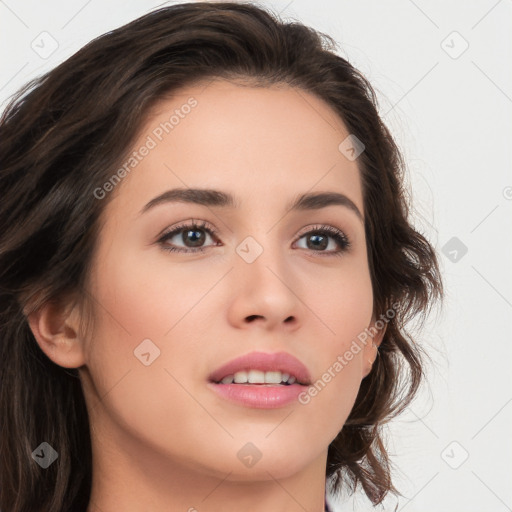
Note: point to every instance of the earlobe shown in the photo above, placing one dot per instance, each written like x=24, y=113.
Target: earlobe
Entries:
x=371, y=350
x=56, y=333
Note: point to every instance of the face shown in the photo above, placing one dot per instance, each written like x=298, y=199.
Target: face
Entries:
x=176, y=302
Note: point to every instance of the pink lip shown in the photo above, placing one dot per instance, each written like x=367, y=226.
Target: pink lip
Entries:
x=257, y=395
x=278, y=361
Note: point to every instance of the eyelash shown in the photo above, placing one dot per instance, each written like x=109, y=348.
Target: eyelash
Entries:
x=340, y=237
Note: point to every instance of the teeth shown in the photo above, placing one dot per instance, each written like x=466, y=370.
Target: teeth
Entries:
x=272, y=377
x=240, y=377
x=258, y=377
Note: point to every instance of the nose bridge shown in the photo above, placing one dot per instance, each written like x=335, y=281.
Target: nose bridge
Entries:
x=263, y=270
x=260, y=251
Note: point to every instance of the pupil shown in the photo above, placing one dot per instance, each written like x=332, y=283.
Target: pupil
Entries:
x=196, y=240
x=323, y=241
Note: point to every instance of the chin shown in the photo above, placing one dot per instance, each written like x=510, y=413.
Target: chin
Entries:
x=263, y=462
x=266, y=470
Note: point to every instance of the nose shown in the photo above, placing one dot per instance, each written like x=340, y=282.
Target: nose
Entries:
x=265, y=292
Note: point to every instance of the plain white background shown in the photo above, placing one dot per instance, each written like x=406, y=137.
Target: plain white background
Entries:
x=443, y=76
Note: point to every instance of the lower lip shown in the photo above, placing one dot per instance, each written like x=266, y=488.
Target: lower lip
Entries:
x=257, y=395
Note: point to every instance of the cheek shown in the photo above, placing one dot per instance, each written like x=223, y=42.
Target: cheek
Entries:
x=140, y=314
x=146, y=314
x=345, y=308
x=342, y=301
x=146, y=299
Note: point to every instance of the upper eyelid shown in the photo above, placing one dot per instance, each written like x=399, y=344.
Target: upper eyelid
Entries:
x=208, y=227
x=320, y=227
x=187, y=224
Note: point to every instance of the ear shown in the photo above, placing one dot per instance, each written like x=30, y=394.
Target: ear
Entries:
x=371, y=349
x=56, y=329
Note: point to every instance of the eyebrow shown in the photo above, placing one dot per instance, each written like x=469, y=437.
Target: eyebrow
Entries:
x=219, y=199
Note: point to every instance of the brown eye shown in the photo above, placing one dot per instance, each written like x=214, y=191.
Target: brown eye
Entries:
x=317, y=240
x=192, y=236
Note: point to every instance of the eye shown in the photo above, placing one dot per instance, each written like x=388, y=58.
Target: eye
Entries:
x=189, y=234
x=194, y=235
x=317, y=239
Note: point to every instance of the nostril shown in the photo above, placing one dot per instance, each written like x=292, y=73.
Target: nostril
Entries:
x=252, y=317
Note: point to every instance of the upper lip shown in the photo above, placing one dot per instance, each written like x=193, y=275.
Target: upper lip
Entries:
x=265, y=362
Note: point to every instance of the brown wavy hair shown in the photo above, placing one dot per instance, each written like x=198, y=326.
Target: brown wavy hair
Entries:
x=64, y=134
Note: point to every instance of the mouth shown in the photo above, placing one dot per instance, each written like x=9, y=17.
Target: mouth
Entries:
x=263, y=369
x=261, y=380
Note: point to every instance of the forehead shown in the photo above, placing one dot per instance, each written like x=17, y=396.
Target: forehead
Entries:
x=259, y=143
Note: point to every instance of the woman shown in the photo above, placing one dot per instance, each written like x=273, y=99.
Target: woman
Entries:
x=206, y=267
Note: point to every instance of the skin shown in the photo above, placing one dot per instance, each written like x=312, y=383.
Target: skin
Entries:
x=162, y=441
